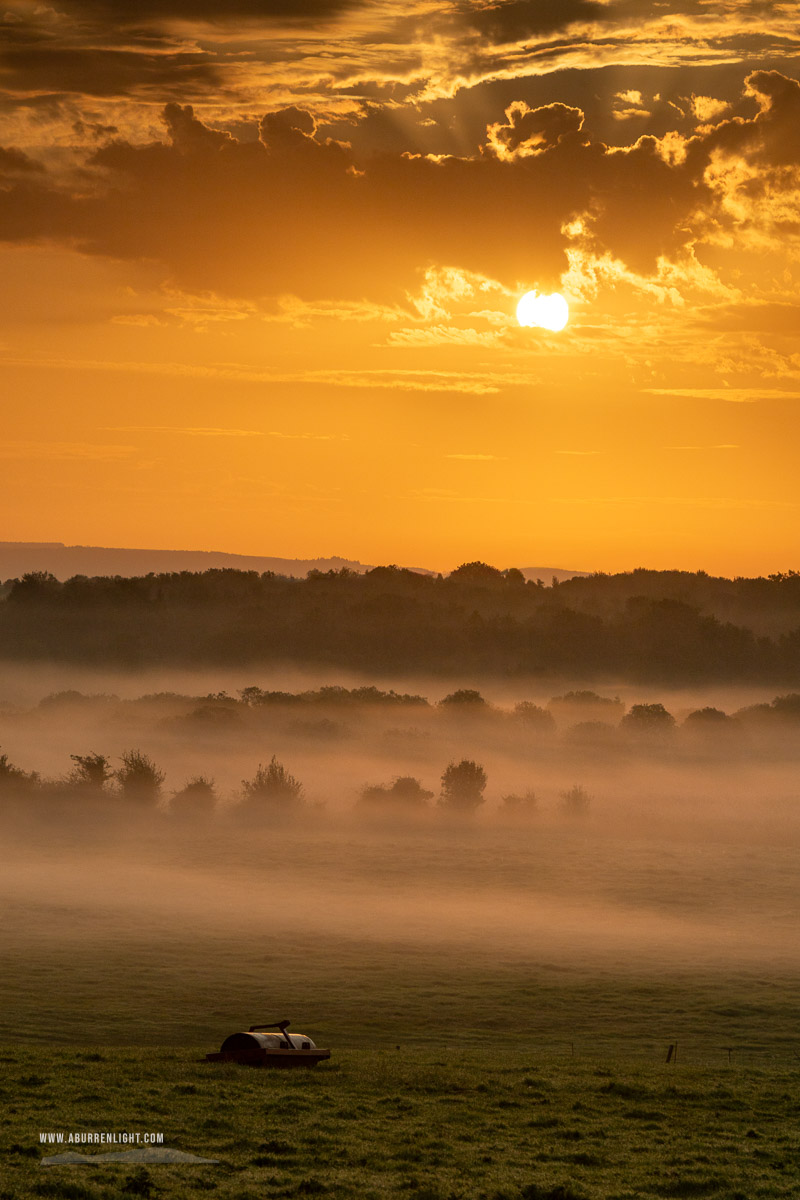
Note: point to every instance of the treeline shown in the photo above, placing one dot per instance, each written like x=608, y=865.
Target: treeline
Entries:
x=668, y=626
x=271, y=795
x=573, y=712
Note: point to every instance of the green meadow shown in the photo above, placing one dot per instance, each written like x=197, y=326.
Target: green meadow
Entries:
x=498, y=1002
x=488, y=1123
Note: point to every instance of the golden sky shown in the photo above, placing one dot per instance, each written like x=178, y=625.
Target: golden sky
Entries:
x=259, y=265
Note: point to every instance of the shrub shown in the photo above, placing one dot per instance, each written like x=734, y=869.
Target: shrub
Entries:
x=139, y=778
x=272, y=787
x=91, y=772
x=537, y=719
x=648, y=719
x=197, y=798
x=14, y=779
x=405, y=794
x=463, y=785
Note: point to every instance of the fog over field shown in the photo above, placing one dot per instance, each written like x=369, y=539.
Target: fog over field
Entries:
x=597, y=850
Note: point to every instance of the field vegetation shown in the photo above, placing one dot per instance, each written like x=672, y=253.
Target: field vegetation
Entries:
x=496, y=1123
x=498, y=912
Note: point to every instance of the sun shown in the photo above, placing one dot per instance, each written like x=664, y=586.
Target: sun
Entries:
x=544, y=312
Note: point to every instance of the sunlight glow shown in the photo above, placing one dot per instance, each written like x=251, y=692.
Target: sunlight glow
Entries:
x=543, y=312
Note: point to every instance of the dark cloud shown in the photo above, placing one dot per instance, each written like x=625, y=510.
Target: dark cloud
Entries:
x=190, y=135
x=158, y=11
x=16, y=162
x=515, y=20
x=642, y=207
x=294, y=212
x=457, y=124
x=287, y=126
x=94, y=129
x=31, y=210
x=99, y=72
x=773, y=137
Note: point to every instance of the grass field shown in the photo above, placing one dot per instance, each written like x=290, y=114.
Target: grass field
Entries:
x=499, y=1003
x=425, y=1124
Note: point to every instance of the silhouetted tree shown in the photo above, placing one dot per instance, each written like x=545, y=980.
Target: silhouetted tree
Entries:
x=35, y=586
x=91, y=773
x=476, y=572
x=271, y=789
x=787, y=706
x=648, y=719
x=707, y=718
x=587, y=706
x=655, y=625
x=404, y=794
x=596, y=735
x=535, y=718
x=197, y=799
x=464, y=697
x=139, y=778
x=14, y=779
x=463, y=785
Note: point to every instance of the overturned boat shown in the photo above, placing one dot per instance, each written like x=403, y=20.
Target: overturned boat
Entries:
x=258, y=1049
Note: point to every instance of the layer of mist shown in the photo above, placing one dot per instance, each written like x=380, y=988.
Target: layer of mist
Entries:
x=604, y=836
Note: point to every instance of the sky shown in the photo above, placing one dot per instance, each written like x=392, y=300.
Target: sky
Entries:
x=260, y=262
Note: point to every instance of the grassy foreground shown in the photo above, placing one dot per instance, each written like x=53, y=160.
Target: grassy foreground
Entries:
x=428, y=1124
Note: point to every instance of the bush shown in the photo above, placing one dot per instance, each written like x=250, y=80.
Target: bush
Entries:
x=139, y=778
x=91, y=772
x=406, y=794
x=272, y=787
x=463, y=785
x=708, y=720
x=197, y=798
x=648, y=719
x=537, y=719
x=14, y=779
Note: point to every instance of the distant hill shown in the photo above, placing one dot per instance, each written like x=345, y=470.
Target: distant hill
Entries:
x=548, y=574
x=18, y=558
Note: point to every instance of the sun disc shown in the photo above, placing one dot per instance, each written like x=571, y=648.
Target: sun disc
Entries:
x=543, y=312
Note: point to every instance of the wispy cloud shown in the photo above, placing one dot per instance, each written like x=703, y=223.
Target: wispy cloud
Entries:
x=187, y=430
x=64, y=451
x=476, y=383
x=210, y=431
x=714, y=502
x=746, y=395
x=478, y=457
x=442, y=335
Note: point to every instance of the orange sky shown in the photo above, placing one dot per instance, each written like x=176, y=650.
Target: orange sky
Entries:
x=260, y=264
